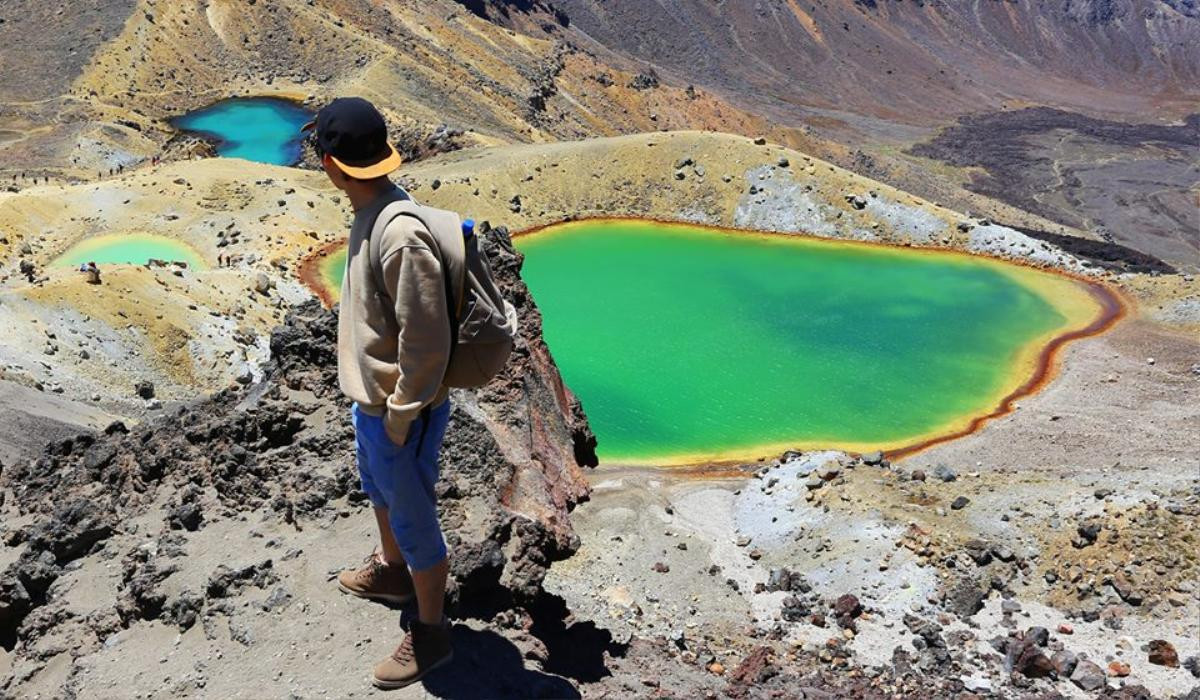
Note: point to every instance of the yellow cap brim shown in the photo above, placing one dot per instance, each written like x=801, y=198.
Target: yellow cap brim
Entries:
x=367, y=172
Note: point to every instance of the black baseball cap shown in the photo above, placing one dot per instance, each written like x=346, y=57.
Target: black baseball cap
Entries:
x=354, y=134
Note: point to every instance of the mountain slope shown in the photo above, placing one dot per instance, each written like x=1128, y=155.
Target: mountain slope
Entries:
x=913, y=61
x=425, y=63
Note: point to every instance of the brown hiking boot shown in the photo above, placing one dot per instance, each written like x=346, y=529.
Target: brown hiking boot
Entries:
x=378, y=581
x=424, y=648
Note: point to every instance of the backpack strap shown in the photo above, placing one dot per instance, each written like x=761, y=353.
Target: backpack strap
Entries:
x=408, y=207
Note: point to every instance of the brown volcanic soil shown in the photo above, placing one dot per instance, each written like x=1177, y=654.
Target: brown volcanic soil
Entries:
x=1135, y=184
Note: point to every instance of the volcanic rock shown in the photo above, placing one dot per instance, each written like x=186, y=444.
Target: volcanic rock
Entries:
x=1088, y=676
x=1086, y=534
x=1124, y=588
x=1064, y=663
x=944, y=473
x=755, y=669
x=979, y=551
x=1038, y=635
x=1026, y=658
x=1162, y=653
x=847, y=608
x=965, y=598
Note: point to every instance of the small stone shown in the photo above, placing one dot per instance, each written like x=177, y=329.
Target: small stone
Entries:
x=1118, y=669
x=846, y=609
x=918, y=475
x=1064, y=628
x=1064, y=663
x=1088, y=676
x=960, y=503
x=1162, y=653
x=944, y=473
x=1124, y=588
x=872, y=458
x=716, y=668
x=829, y=472
x=660, y=567
x=1038, y=635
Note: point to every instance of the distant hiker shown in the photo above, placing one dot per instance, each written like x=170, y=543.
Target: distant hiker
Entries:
x=93, y=273
x=409, y=269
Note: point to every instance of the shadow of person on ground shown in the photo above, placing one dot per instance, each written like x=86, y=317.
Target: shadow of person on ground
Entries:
x=486, y=665
x=576, y=650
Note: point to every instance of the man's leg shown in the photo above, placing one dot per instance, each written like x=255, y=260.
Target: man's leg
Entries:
x=431, y=591
x=384, y=576
x=389, y=551
x=413, y=516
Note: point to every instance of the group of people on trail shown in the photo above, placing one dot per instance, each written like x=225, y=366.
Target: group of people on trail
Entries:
x=402, y=344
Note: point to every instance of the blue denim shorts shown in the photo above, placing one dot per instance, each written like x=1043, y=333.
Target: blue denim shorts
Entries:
x=402, y=480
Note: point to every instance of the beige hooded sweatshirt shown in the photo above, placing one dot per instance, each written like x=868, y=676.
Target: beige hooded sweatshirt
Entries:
x=394, y=345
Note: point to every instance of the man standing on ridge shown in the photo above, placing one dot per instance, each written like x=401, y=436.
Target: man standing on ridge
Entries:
x=394, y=346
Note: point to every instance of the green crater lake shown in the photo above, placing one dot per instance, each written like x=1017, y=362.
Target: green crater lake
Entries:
x=264, y=129
x=129, y=249
x=688, y=344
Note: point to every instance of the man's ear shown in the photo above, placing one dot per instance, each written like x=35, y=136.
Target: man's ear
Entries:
x=331, y=168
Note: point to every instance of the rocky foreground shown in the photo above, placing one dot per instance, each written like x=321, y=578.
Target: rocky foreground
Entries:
x=167, y=512
x=192, y=556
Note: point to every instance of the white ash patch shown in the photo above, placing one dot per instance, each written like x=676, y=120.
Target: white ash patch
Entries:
x=1003, y=241
x=777, y=202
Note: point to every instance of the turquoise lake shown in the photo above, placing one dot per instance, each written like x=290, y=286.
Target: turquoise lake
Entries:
x=263, y=129
x=688, y=344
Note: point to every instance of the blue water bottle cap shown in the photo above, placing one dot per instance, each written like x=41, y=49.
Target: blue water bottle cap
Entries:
x=468, y=228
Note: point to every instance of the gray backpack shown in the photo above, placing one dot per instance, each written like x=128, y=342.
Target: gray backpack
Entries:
x=483, y=325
